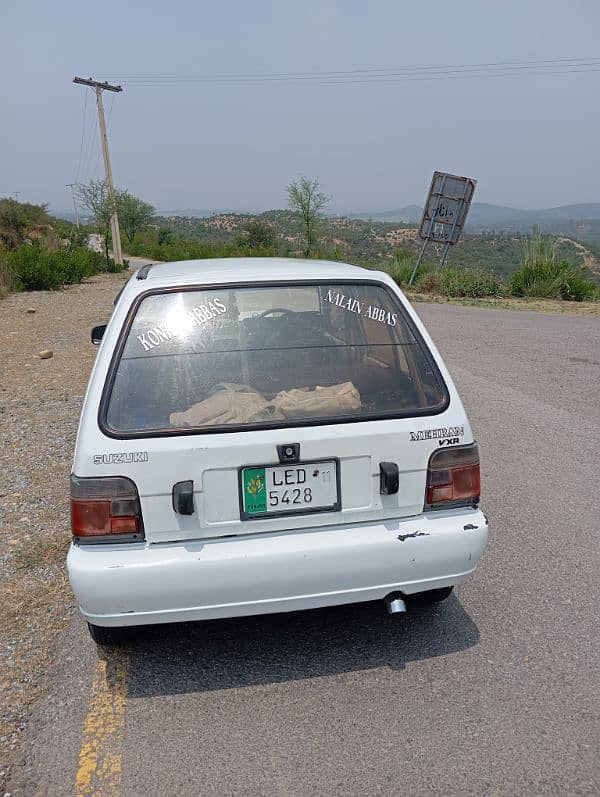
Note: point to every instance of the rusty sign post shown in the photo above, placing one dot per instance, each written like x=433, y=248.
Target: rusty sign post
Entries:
x=445, y=213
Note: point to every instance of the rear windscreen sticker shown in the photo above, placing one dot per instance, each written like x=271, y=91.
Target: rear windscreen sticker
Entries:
x=180, y=324
x=438, y=434
x=361, y=308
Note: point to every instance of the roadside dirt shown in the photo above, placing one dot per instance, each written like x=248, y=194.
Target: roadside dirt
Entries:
x=40, y=401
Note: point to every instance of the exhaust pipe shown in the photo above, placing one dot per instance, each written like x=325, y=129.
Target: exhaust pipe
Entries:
x=395, y=604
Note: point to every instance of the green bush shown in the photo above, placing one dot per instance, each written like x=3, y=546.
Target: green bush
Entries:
x=552, y=280
x=33, y=268
x=256, y=234
x=401, y=267
x=429, y=281
x=16, y=218
x=538, y=249
x=458, y=281
x=452, y=281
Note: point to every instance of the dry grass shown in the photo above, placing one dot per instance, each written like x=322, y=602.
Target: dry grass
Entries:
x=49, y=551
x=40, y=401
x=32, y=612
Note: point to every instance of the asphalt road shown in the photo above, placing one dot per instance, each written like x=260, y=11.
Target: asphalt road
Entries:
x=495, y=692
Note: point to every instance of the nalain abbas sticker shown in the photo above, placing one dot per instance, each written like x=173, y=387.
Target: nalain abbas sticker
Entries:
x=361, y=308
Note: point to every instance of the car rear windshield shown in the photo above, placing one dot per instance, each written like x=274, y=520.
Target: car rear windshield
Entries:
x=250, y=357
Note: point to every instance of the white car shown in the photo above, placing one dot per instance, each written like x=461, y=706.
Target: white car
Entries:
x=267, y=435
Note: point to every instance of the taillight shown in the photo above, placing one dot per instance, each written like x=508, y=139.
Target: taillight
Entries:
x=453, y=477
x=105, y=510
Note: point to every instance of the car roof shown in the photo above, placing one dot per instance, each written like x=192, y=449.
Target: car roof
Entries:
x=244, y=269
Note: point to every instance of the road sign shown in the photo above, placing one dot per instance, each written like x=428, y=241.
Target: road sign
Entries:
x=446, y=208
x=444, y=214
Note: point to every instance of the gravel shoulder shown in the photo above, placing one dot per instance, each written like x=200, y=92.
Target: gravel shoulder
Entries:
x=40, y=402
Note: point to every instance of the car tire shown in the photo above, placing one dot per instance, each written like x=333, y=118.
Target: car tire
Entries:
x=429, y=598
x=107, y=636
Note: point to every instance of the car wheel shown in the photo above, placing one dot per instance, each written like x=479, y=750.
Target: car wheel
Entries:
x=107, y=636
x=429, y=598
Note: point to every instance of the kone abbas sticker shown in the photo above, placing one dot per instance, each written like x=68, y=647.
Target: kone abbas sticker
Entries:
x=180, y=324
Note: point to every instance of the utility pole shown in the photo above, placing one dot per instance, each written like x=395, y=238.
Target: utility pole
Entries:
x=114, y=221
x=75, y=208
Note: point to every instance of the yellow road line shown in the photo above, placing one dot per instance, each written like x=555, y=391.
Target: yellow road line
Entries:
x=101, y=754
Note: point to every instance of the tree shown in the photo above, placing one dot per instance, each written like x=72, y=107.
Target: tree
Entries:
x=165, y=236
x=256, y=234
x=307, y=202
x=134, y=213
x=95, y=197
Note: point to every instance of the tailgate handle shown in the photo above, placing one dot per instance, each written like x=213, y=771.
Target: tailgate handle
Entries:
x=183, y=498
x=388, y=478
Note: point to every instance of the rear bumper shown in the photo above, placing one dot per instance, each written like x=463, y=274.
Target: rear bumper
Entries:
x=118, y=585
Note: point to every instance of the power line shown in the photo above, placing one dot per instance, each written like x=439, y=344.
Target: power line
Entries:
x=447, y=71
x=82, y=137
x=378, y=69
x=92, y=136
x=462, y=76
x=260, y=75
x=387, y=80
x=87, y=171
x=98, y=88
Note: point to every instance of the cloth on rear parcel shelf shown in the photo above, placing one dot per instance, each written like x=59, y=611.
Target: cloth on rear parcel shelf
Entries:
x=322, y=401
x=239, y=404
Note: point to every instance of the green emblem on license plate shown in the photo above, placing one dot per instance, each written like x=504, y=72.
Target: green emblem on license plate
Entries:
x=255, y=493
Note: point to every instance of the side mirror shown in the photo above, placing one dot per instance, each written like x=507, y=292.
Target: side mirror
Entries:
x=98, y=334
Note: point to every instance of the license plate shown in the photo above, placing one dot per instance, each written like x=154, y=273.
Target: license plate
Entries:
x=289, y=489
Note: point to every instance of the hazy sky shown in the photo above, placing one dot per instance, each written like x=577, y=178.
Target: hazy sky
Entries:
x=530, y=141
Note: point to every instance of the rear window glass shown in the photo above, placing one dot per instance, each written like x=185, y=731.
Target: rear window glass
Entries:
x=254, y=356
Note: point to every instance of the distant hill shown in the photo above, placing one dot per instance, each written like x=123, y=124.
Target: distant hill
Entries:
x=484, y=216
x=195, y=213
x=411, y=214
x=581, y=221
x=369, y=242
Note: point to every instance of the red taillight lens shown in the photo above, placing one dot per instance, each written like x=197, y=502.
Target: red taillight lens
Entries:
x=453, y=476
x=105, y=507
x=90, y=518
